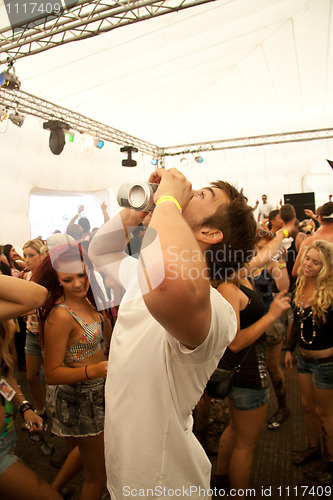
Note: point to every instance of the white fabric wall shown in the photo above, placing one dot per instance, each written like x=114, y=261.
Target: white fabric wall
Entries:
x=27, y=163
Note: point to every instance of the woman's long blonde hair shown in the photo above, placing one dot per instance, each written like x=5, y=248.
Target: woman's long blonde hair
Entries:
x=322, y=300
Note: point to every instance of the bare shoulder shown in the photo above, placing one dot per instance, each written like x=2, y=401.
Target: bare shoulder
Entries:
x=324, y=233
x=229, y=289
x=59, y=315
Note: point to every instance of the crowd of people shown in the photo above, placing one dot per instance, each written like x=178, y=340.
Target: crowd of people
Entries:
x=137, y=315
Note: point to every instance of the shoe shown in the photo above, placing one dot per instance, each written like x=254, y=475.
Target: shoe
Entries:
x=278, y=417
x=308, y=455
x=57, y=463
x=322, y=476
x=67, y=492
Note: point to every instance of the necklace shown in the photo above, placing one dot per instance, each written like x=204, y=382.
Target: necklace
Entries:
x=302, y=318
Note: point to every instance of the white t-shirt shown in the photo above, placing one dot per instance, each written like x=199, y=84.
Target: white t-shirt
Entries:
x=263, y=210
x=152, y=386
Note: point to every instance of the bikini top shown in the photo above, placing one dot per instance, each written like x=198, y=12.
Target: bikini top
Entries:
x=89, y=343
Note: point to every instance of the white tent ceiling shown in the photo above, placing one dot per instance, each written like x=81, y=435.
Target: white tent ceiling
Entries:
x=226, y=69
x=229, y=68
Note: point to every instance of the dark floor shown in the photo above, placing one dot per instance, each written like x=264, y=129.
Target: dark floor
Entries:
x=273, y=475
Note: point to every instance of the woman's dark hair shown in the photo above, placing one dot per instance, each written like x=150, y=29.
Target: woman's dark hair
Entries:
x=46, y=275
x=85, y=224
x=6, y=251
x=235, y=219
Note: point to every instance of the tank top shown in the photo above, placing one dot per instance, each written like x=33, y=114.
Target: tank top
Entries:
x=320, y=337
x=32, y=319
x=263, y=285
x=253, y=373
x=89, y=343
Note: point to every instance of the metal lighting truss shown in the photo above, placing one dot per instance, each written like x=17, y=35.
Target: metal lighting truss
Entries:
x=243, y=142
x=29, y=104
x=84, y=20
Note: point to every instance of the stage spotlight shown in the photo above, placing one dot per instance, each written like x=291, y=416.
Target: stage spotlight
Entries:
x=184, y=162
x=198, y=159
x=9, y=80
x=154, y=161
x=57, y=136
x=88, y=140
x=98, y=143
x=69, y=137
x=3, y=114
x=17, y=118
x=129, y=162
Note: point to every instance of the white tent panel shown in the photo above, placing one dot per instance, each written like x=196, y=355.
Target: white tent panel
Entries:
x=228, y=69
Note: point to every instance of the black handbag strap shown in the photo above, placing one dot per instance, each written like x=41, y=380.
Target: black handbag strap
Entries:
x=238, y=367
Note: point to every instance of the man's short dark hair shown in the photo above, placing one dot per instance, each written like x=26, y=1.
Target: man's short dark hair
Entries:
x=85, y=224
x=76, y=231
x=325, y=211
x=235, y=219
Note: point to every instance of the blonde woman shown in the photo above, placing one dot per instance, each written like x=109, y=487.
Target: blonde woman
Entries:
x=312, y=329
x=33, y=350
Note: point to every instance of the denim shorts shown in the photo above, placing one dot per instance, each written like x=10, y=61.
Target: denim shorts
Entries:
x=7, y=457
x=243, y=398
x=322, y=373
x=33, y=345
x=79, y=409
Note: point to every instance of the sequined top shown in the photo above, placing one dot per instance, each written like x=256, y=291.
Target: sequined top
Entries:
x=89, y=343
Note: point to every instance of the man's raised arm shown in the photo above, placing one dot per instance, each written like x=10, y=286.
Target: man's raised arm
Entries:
x=107, y=248
x=172, y=268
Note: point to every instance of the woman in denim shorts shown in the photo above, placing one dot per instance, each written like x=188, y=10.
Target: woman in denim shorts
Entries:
x=73, y=358
x=249, y=396
x=33, y=348
x=273, y=276
x=312, y=330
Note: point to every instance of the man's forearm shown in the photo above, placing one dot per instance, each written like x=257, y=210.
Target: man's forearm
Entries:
x=180, y=250
x=112, y=236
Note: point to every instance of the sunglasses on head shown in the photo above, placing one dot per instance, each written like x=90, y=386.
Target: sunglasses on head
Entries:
x=263, y=233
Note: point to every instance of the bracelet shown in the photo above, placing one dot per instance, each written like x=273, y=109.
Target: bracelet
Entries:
x=86, y=372
x=286, y=234
x=25, y=406
x=283, y=265
x=170, y=198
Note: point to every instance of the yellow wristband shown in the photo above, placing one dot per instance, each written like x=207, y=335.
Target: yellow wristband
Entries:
x=286, y=234
x=170, y=198
x=283, y=265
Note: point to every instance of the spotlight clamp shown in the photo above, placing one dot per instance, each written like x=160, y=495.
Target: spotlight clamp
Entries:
x=55, y=124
